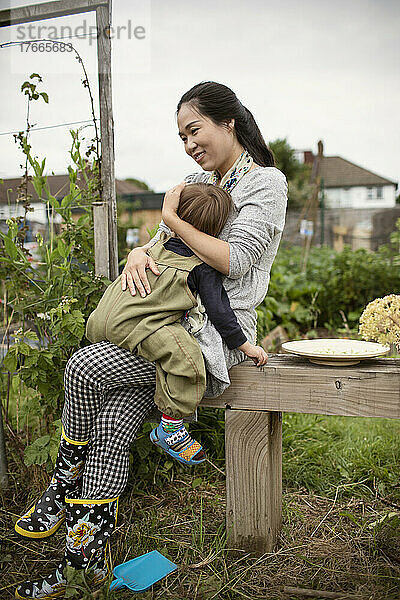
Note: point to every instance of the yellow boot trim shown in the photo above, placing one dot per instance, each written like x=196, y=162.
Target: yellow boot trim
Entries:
x=37, y=534
x=74, y=442
x=89, y=501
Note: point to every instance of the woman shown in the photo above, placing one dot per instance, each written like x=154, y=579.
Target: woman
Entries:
x=109, y=391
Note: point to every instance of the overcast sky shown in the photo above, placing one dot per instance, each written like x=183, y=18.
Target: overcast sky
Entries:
x=308, y=70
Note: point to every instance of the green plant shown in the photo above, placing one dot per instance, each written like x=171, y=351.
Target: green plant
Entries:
x=50, y=298
x=332, y=292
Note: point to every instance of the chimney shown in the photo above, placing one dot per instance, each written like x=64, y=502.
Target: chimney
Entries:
x=308, y=157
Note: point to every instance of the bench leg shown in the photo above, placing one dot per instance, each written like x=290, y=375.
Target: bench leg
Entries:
x=253, y=450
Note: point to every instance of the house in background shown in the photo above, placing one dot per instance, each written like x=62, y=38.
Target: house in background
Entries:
x=348, y=185
x=352, y=196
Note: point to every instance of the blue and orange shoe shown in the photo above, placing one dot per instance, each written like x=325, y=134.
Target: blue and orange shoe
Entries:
x=179, y=444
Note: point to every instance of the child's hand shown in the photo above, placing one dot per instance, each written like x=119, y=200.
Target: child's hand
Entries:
x=171, y=203
x=256, y=353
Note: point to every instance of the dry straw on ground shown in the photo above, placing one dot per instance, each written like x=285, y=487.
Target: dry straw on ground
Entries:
x=326, y=544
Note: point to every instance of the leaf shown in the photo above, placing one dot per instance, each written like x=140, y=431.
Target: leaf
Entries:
x=62, y=249
x=31, y=335
x=10, y=247
x=38, y=452
x=385, y=517
x=196, y=482
x=35, y=75
x=143, y=450
x=24, y=348
x=47, y=357
x=353, y=315
x=15, y=383
x=45, y=97
x=65, y=201
x=38, y=185
x=350, y=516
x=52, y=200
x=31, y=360
x=55, y=254
x=82, y=220
x=10, y=360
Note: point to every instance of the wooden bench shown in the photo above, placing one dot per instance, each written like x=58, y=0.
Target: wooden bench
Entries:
x=253, y=429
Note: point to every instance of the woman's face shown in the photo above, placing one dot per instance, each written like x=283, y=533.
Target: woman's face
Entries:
x=213, y=147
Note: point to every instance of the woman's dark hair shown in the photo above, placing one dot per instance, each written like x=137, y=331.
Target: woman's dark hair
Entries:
x=205, y=206
x=219, y=103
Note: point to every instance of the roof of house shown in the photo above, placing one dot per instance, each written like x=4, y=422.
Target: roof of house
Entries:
x=339, y=172
x=59, y=187
x=145, y=200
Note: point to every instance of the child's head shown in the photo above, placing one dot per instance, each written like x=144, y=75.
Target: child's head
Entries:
x=205, y=206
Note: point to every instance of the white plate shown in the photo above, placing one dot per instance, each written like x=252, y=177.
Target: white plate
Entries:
x=337, y=352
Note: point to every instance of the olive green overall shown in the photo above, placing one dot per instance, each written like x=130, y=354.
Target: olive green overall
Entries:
x=150, y=327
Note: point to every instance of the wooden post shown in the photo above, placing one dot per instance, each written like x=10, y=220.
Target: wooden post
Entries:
x=253, y=451
x=108, y=195
x=101, y=239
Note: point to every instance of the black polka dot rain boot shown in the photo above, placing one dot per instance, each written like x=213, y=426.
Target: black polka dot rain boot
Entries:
x=48, y=513
x=90, y=524
x=54, y=584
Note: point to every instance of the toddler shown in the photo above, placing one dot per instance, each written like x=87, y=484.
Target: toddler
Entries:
x=151, y=326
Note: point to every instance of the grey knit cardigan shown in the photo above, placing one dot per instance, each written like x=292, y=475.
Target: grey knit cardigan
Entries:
x=253, y=231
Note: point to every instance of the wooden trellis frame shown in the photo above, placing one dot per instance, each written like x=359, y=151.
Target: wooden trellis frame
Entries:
x=105, y=211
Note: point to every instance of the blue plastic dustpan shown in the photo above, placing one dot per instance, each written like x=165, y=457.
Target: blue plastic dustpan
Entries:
x=140, y=573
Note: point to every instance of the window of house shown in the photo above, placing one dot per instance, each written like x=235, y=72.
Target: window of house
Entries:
x=375, y=193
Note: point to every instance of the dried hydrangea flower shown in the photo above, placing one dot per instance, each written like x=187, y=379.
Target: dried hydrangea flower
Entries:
x=380, y=321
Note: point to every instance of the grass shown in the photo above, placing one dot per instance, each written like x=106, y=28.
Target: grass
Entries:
x=324, y=453
x=325, y=544
x=341, y=480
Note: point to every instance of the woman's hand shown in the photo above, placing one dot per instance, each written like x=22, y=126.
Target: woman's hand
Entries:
x=134, y=273
x=256, y=353
x=171, y=203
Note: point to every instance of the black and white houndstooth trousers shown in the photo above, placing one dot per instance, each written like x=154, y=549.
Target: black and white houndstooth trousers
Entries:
x=108, y=393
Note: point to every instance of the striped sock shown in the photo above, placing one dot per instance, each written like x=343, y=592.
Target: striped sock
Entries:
x=170, y=424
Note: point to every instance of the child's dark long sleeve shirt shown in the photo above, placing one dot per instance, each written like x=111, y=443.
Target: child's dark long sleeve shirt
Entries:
x=208, y=283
